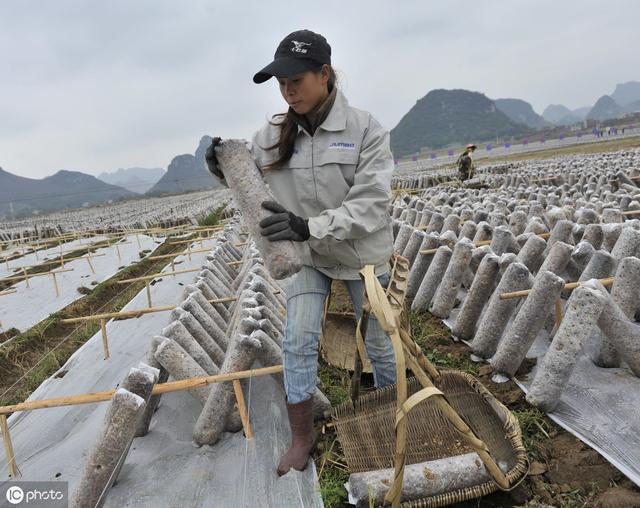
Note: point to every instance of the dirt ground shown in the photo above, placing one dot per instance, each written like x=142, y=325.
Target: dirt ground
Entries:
x=564, y=471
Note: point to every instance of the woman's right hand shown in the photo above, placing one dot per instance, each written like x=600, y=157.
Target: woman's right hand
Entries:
x=211, y=159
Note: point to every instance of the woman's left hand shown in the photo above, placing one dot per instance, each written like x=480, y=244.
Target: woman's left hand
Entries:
x=283, y=224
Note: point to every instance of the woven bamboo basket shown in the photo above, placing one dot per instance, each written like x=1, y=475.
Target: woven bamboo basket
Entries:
x=366, y=432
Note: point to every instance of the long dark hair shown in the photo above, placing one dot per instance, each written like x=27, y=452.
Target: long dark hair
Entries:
x=289, y=129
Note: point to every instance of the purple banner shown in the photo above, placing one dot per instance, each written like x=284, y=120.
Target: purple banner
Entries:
x=414, y=158
x=579, y=135
x=561, y=137
x=450, y=153
x=488, y=147
x=507, y=145
x=542, y=141
x=594, y=131
x=525, y=142
x=433, y=155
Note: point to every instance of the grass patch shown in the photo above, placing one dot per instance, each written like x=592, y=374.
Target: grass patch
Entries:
x=535, y=429
x=214, y=217
x=434, y=338
x=334, y=382
x=332, y=481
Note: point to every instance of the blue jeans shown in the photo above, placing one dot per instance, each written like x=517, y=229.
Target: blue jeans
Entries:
x=306, y=296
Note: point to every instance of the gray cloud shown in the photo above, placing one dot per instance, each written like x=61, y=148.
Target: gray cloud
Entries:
x=96, y=86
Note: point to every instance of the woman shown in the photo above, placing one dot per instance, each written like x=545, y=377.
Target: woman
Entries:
x=329, y=167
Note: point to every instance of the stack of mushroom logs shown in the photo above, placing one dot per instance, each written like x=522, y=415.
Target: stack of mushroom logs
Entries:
x=202, y=339
x=206, y=339
x=529, y=237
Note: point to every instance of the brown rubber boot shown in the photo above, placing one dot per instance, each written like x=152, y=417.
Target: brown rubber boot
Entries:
x=302, y=437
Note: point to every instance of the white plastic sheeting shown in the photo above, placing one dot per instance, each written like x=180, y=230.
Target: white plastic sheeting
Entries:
x=163, y=468
x=30, y=305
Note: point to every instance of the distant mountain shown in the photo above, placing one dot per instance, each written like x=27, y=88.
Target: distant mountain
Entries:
x=582, y=112
x=520, y=111
x=626, y=93
x=605, y=108
x=443, y=117
x=186, y=173
x=138, y=180
x=21, y=196
x=634, y=107
x=554, y=113
x=557, y=114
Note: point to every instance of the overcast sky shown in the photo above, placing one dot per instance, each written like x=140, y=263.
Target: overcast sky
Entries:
x=94, y=86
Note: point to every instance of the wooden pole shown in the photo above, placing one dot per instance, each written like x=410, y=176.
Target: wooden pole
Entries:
x=105, y=340
x=558, y=312
x=26, y=277
x=55, y=284
x=158, y=389
x=128, y=314
x=477, y=243
x=88, y=258
x=242, y=408
x=146, y=283
x=8, y=447
x=118, y=251
x=160, y=274
x=176, y=254
x=569, y=286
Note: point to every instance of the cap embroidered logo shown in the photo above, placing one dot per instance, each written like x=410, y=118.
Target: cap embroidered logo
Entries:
x=298, y=46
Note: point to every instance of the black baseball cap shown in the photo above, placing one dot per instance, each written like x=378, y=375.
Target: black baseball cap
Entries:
x=298, y=52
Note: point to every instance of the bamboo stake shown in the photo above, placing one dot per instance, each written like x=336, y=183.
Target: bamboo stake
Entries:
x=90, y=265
x=158, y=389
x=242, y=408
x=558, y=312
x=128, y=314
x=55, y=284
x=146, y=283
x=477, y=243
x=105, y=340
x=569, y=286
x=174, y=255
x=8, y=447
x=26, y=277
x=160, y=274
x=33, y=275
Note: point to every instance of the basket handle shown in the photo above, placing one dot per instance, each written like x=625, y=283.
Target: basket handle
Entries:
x=390, y=322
